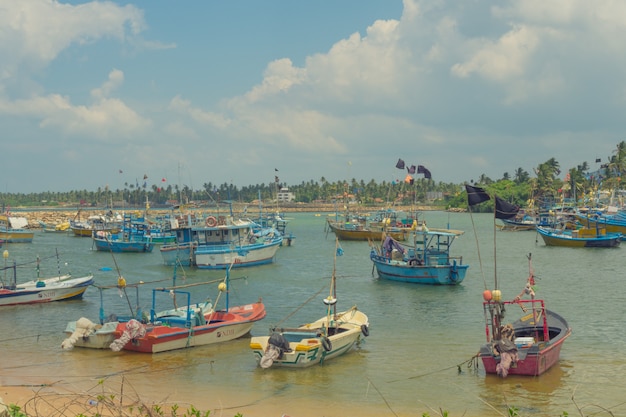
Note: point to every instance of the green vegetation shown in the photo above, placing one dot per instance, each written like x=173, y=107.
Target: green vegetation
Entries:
x=578, y=184
x=100, y=401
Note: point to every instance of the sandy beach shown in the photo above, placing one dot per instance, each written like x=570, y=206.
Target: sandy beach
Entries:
x=104, y=398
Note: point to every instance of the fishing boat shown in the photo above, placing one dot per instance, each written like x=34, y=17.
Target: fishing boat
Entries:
x=520, y=223
x=531, y=344
x=580, y=238
x=314, y=343
x=274, y=219
x=187, y=326
x=39, y=290
x=355, y=227
x=108, y=222
x=220, y=242
x=134, y=236
x=427, y=261
x=99, y=335
x=528, y=346
x=44, y=290
x=14, y=229
x=612, y=223
x=63, y=227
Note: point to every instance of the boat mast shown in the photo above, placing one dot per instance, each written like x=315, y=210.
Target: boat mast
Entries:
x=331, y=300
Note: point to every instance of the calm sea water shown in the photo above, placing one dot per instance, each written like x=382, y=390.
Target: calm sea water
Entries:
x=419, y=336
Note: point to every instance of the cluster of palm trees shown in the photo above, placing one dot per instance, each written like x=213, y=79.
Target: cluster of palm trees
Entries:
x=577, y=185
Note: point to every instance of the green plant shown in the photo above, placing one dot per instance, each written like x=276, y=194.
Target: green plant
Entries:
x=15, y=411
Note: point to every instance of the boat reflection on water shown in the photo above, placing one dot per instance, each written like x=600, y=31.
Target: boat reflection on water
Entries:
x=529, y=395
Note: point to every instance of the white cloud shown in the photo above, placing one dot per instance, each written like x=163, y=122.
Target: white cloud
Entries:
x=34, y=32
x=445, y=77
x=116, y=78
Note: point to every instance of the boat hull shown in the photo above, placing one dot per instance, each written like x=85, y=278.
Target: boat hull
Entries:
x=177, y=254
x=17, y=236
x=116, y=246
x=223, y=256
x=430, y=273
x=100, y=338
x=308, y=347
x=536, y=361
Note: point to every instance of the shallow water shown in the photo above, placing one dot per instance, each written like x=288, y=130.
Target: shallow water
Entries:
x=420, y=337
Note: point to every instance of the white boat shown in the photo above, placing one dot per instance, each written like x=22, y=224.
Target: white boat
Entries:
x=220, y=242
x=43, y=290
x=86, y=333
x=314, y=343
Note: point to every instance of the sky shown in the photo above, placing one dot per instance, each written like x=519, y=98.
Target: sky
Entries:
x=105, y=93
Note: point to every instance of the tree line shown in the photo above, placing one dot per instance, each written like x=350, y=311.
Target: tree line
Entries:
x=579, y=186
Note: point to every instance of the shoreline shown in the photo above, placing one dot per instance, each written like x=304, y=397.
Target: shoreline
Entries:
x=55, y=216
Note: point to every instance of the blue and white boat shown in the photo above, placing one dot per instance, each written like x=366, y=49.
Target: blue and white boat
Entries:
x=220, y=242
x=428, y=261
x=133, y=237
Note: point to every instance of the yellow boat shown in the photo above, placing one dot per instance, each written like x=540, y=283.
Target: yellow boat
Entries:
x=12, y=229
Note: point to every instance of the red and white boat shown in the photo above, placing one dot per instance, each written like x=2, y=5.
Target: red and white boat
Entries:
x=192, y=325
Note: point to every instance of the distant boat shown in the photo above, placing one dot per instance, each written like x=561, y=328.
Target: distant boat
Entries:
x=612, y=223
x=427, y=261
x=13, y=229
x=354, y=227
x=63, y=227
x=96, y=223
x=220, y=242
x=580, y=238
x=276, y=220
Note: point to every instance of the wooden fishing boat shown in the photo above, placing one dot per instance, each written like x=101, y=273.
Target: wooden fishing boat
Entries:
x=134, y=237
x=612, y=223
x=531, y=344
x=428, y=261
x=188, y=326
x=221, y=242
x=580, y=238
x=109, y=223
x=13, y=229
x=119, y=243
x=314, y=343
x=100, y=334
x=354, y=227
x=43, y=290
x=63, y=227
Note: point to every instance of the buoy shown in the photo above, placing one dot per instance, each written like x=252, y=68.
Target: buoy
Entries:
x=222, y=286
x=487, y=295
x=121, y=282
x=496, y=295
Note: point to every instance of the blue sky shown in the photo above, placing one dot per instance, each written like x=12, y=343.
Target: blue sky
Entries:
x=228, y=91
